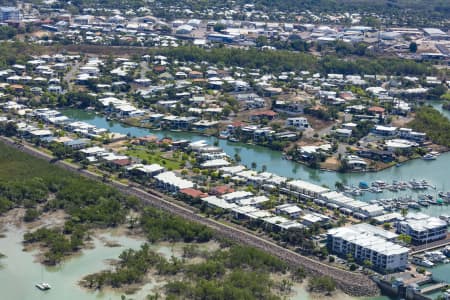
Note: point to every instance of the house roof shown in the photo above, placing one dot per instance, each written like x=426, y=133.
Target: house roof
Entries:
x=193, y=193
x=122, y=162
x=376, y=109
x=220, y=190
x=265, y=113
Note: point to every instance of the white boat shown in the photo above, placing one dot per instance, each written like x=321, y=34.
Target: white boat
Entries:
x=422, y=262
x=429, y=156
x=435, y=256
x=446, y=251
x=414, y=205
x=43, y=286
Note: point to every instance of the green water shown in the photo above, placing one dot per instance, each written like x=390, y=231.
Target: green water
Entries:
x=435, y=172
x=19, y=272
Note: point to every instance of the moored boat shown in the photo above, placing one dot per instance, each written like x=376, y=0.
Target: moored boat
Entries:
x=43, y=286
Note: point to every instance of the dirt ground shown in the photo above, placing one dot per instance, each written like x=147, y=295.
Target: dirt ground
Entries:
x=331, y=163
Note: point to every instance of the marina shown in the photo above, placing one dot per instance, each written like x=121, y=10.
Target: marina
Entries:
x=394, y=188
x=415, y=185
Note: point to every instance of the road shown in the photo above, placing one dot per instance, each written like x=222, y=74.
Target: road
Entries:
x=431, y=246
x=355, y=284
x=72, y=73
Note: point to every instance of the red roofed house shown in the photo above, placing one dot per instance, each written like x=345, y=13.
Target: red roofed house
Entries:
x=159, y=69
x=268, y=114
x=376, y=110
x=193, y=193
x=220, y=190
x=120, y=163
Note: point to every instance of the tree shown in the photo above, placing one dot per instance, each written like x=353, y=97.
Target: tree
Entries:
x=31, y=214
x=218, y=27
x=253, y=165
x=339, y=185
x=413, y=47
x=322, y=284
x=404, y=212
x=405, y=238
x=367, y=263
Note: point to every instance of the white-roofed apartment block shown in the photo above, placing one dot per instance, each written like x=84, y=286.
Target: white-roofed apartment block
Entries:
x=368, y=243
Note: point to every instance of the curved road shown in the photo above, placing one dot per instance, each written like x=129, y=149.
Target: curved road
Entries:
x=355, y=284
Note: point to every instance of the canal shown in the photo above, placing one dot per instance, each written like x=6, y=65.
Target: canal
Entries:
x=19, y=271
x=436, y=172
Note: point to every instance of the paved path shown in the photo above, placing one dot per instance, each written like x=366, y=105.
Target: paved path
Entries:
x=355, y=284
x=431, y=246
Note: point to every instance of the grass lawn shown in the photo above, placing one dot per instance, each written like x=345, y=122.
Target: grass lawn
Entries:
x=155, y=157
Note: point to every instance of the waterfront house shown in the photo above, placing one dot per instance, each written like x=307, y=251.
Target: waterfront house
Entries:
x=304, y=189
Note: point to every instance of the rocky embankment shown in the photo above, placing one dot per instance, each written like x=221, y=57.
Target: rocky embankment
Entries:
x=354, y=284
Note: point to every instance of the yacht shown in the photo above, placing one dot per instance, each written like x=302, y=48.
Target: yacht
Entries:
x=446, y=251
x=43, y=286
x=422, y=262
x=435, y=256
x=446, y=218
x=429, y=156
x=414, y=205
x=423, y=203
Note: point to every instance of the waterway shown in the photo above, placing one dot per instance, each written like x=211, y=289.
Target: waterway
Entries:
x=19, y=271
x=436, y=172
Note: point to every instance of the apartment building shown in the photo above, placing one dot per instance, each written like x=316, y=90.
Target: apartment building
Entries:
x=422, y=228
x=368, y=243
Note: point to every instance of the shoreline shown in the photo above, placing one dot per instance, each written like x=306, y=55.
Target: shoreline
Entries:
x=442, y=149
x=352, y=283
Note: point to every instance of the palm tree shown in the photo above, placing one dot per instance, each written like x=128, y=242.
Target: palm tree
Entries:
x=339, y=185
x=404, y=212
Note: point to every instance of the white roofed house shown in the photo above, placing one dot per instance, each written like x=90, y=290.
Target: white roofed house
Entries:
x=215, y=202
x=236, y=196
x=170, y=182
x=299, y=123
x=310, y=219
x=385, y=130
x=184, y=29
x=355, y=162
x=40, y=133
x=289, y=209
x=215, y=163
x=275, y=223
x=304, y=189
x=256, y=201
x=145, y=170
